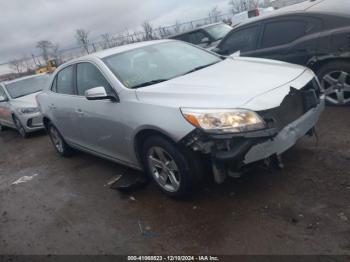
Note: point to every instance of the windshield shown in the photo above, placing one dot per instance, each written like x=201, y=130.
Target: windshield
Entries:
x=157, y=63
x=218, y=32
x=27, y=86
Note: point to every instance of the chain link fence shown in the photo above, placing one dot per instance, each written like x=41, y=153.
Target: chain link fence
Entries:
x=67, y=54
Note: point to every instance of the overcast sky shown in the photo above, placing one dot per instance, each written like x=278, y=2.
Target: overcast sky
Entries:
x=25, y=22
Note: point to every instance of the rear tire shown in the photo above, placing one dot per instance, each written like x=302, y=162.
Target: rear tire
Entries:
x=335, y=82
x=20, y=127
x=172, y=168
x=58, y=141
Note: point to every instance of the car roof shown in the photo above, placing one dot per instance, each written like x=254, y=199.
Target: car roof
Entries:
x=22, y=78
x=195, y=29
x=339, y=7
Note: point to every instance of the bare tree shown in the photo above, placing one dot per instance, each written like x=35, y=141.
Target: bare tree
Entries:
x=56, y=53
x=17, y=65
x=214, y=15
x=44, y=46
x=26, y=63
x=82, y=37
x=148, y=30
x=238, y=6
x=107, y=40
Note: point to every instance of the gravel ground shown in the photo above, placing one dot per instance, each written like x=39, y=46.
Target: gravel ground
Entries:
x=67, y=208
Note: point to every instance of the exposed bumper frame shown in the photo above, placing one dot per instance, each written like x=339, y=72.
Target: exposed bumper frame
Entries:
x=287, y=137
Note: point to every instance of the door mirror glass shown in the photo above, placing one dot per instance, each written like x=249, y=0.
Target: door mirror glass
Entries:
x=205, y=40
x=97, y=93
x=2, y=98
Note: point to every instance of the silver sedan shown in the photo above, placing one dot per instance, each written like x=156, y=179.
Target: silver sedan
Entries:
x=173, y=109
x=18, y=105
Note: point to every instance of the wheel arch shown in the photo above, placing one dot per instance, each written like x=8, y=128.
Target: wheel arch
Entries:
x=46, y=122
x=141, y=136
x=316, y=63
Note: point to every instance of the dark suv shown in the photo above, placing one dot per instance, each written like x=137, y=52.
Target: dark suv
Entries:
x=207, y=36
x=314, y=34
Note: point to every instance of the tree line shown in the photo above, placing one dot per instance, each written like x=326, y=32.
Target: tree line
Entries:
x=48, y=50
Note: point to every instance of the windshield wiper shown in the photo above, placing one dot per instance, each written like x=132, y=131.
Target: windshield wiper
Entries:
x=199, y=68
x=152, y=82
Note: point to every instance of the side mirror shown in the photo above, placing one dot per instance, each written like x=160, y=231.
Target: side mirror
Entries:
x=98, y=93
x=3, y=99
x=205, y=40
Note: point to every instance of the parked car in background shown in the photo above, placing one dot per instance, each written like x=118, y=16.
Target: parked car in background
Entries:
x=162, y=106
x=207, y=36
x=245, y=15
x=314, y=34
x=18, y=106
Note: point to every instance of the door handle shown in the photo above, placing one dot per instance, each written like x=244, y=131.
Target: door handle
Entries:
x=52, y=107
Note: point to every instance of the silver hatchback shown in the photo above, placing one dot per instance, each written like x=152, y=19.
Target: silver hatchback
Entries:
x=166, y=106
x=18, y=106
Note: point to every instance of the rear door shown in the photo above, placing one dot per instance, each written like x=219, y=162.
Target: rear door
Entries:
x=62, y=104
x=5, y=110
x=290, y=39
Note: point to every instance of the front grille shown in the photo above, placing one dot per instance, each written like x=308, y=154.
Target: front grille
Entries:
x=294, y=105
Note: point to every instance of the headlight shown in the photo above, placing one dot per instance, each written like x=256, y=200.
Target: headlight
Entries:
x=224, y=120
x=28, y=110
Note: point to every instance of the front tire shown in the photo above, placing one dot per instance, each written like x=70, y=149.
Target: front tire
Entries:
x=58, y=141
x=20, y=128
x=170, y=167
x=335, y=82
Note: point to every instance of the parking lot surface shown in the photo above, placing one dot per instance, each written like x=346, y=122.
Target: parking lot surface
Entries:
x=66, y=206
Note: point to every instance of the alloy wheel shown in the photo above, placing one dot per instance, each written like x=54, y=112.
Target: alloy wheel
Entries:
x=164, y=169
x=19, y=127
x=56, y=139
x=336, y=86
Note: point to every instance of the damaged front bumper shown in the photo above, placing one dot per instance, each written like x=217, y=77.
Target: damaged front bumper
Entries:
x=229, y=153
x=287, y=137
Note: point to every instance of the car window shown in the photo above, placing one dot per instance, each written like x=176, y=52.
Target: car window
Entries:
x=88, y=76
x=283, y=32
x=54, y=85
x=162, y=61
x=184, y=37
x=196, y=37
x=64, y=80
x=243, y=40
x=27, y=86
x=219, y=31
x=2, y=92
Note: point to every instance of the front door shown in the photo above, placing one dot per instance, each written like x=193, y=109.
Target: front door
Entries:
x=99, y=120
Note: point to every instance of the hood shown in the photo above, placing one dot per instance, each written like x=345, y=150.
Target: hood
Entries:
x=227, y=84
x=26, y=101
